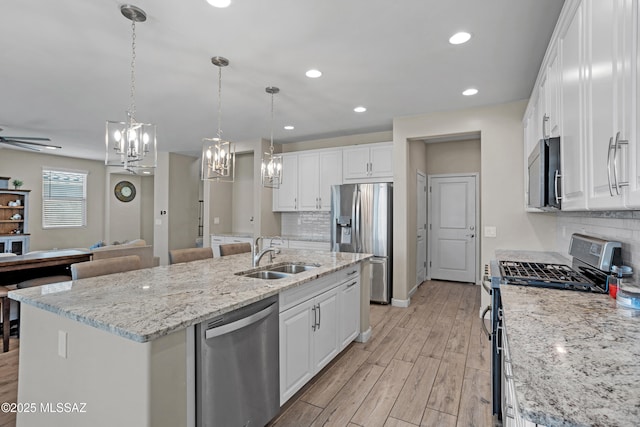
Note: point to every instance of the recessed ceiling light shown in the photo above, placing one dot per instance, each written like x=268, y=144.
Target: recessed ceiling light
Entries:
x=459, y=38
x=360, y=109
x=470, y=92
x=313, y=74
x=289, y=127
x=219, y=3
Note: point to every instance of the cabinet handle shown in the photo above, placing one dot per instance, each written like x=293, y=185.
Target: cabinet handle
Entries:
x=545, y=119
x=319, y=202
x=352, y=273
x=556, y=175
x=617, y=184
x=351, y=285
x=295, y=203
x=315, y=321
x=609, y=165
x=319, y=316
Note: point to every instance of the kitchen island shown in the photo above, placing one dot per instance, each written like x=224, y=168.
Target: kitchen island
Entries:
x=121, y=347
x=575, y=356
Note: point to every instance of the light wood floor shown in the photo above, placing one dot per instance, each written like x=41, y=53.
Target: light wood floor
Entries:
x=426, y=365
x=9, y=381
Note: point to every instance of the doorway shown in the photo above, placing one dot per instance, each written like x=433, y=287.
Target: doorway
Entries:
x=421, y=223
x=453, y=217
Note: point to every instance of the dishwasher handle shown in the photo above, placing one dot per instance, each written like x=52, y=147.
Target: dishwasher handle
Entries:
x=239, y=324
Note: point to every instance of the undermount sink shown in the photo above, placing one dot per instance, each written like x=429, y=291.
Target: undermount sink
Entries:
x=292, y=268
x=271, y=272
x=267, y=275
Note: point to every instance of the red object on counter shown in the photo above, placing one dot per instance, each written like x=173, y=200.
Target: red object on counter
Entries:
x=613, y=290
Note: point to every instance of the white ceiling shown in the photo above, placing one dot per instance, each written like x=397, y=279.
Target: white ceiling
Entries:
x=65, y=65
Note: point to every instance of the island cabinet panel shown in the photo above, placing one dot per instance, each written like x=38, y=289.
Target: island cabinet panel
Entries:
x=316, y=322
x=349, y=298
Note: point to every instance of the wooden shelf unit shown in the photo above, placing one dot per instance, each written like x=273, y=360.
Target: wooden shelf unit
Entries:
x=14, y=233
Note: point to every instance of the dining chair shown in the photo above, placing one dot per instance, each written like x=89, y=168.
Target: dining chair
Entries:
x=190, y=254
x=235, y=248
x=101, y=267
x=6, y=322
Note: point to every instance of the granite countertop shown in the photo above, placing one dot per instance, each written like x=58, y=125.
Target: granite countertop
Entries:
x=575, y=355
x=146, y=304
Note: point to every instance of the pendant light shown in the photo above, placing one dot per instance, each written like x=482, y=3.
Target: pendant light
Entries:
x=130, y=144
x=271, y=170
x=218, y=155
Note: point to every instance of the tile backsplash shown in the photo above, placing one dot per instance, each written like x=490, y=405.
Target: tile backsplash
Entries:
x=622, y=226
x=307, y=225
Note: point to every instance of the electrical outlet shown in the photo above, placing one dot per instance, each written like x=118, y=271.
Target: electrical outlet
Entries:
x=490, y=231
x=62, y=344
x=216, y=220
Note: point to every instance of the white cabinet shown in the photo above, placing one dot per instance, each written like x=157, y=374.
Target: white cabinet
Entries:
x=588, y=89
x=217, y=240
x=348, y=298
x=572, y=95
x=317, y=320
x=285, y=198
x=307, y=180
x=607, y=115
x=368, y=163
x=317, y=172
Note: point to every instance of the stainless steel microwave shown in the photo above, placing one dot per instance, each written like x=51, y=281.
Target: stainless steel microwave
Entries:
x=544, y=175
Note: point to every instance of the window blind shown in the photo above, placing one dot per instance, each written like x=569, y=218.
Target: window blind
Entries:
x=64, y=199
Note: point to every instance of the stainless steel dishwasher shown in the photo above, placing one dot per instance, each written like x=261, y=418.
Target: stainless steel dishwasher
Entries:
x=237, y=368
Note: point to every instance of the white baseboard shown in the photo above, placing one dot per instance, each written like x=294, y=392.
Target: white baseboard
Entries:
x=364, y=336
x=404, y=303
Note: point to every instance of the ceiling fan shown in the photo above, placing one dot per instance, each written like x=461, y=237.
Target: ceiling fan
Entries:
x=26, y=142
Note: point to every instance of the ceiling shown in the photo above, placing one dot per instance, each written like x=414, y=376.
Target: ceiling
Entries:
x=66, y=65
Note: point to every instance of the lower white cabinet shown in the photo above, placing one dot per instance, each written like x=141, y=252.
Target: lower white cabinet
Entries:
x=317, y=320
x=17, y=244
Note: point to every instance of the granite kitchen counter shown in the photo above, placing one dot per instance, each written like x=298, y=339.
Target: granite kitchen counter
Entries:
x=146, y=304
x=575, y=356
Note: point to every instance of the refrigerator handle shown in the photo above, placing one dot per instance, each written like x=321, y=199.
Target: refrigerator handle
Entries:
x=358, y=237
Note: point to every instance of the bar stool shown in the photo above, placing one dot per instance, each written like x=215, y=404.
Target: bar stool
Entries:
x=190, y=254
x=6, y=321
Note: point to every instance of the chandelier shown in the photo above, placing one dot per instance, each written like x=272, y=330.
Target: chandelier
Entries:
x=271, y=169
x=131, y=144
x=218, y=155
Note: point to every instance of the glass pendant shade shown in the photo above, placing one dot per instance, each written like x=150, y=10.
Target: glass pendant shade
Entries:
x=218, y=155
x=218, y=158
x=132, y=145
x=271, y=170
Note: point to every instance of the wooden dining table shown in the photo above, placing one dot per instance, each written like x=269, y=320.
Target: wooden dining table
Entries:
x=15, y=269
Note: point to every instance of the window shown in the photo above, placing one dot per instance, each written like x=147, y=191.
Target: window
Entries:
x=64, y=199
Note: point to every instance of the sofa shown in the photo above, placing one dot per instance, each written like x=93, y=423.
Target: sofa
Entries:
x=135, y=247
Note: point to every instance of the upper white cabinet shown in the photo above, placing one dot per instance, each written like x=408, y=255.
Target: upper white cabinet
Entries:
x=285, y=198
x=317, y=172
x=587, y=92
x=572, y=95
x=608, y=104
x=368, y=163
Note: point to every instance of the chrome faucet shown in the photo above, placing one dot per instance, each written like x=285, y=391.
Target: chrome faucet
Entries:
x=258, y=254
x=257, y=257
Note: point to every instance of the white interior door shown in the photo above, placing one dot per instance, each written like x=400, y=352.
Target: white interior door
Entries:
x=452, y=224
x=421, y=215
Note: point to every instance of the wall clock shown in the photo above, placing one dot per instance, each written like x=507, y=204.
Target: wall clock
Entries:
x=125, y=191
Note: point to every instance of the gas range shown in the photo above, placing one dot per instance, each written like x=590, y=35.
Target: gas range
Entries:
x=591, y=263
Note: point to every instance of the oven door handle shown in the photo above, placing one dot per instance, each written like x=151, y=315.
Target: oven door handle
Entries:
x=484, y=327
x=486, y=279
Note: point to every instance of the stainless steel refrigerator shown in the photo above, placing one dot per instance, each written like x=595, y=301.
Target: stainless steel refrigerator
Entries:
x=362, y=222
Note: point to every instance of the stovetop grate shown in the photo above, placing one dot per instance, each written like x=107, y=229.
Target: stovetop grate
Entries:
x=536, y=272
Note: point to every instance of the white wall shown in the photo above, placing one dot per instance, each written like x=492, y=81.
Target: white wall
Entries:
x=242, y=195
x=124, y=217
x=501, y=190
